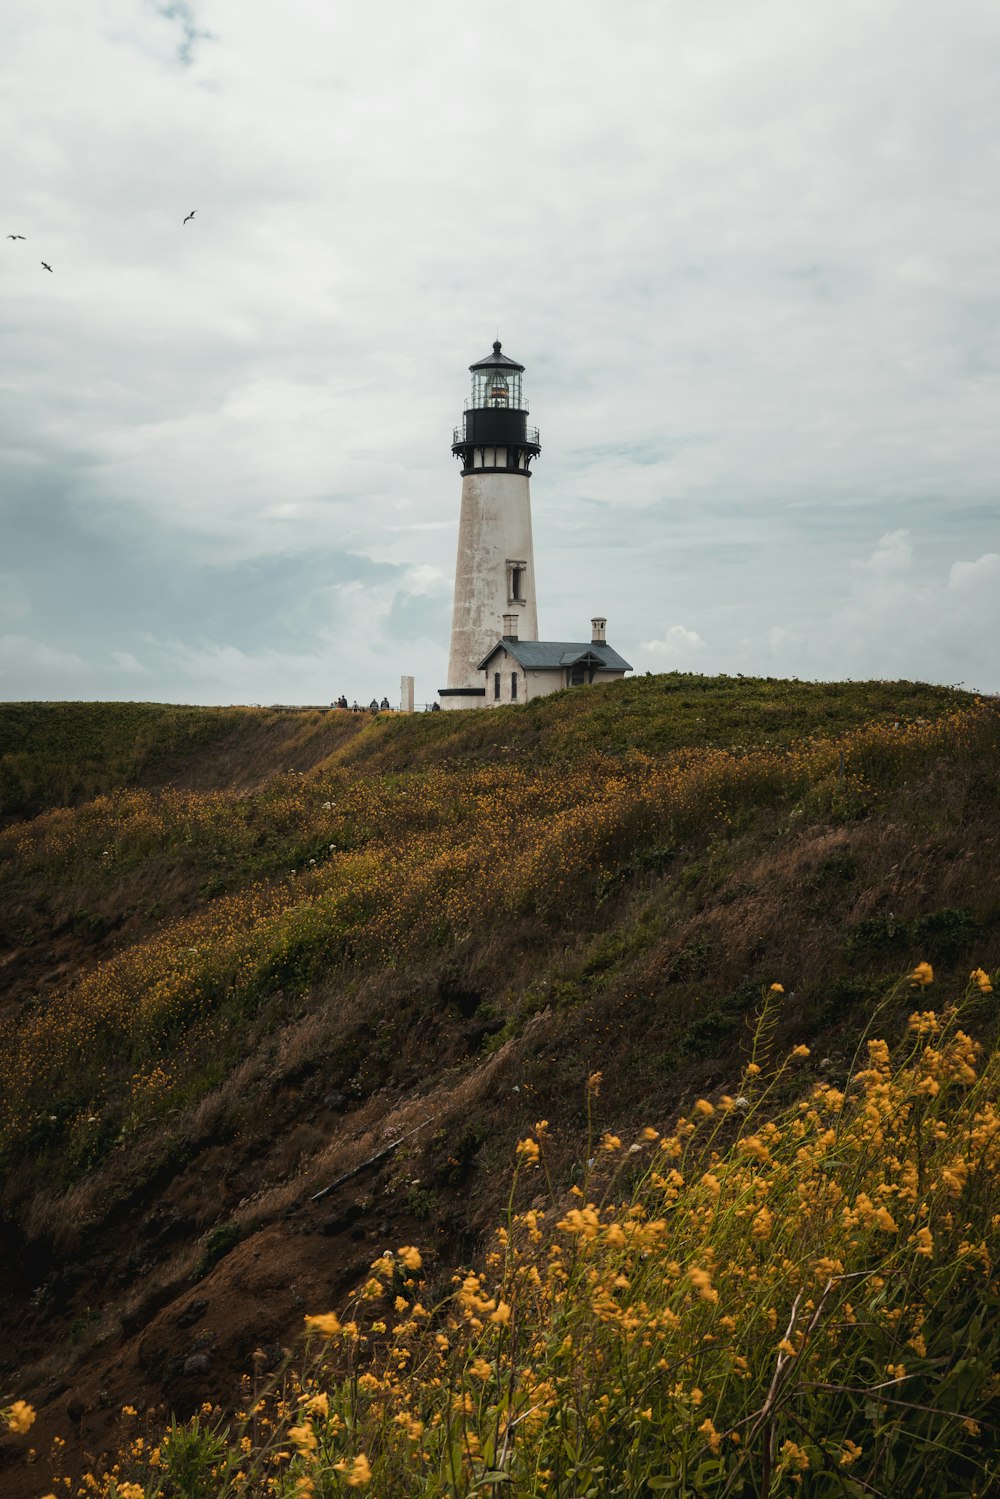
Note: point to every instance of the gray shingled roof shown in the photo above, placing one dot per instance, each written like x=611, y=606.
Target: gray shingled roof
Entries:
x=551, y=655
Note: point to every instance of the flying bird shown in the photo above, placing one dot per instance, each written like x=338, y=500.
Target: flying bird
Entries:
x=15, y=236
x=46, y=265
x=191, y=215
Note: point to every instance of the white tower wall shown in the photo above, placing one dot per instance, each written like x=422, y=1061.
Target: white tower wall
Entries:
x=494, y=536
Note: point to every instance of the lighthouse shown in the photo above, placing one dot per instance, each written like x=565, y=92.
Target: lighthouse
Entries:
x=495, y=567
x=496, y=656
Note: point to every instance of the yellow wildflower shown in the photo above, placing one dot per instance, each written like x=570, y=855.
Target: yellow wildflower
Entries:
x=649, y=1134
x=20, y=1416
x=480, y=1369
x=777, y=988
x=704, y=1108
x=922, y=975
x=708, y=1431
x=357, y=1472
x=924, y=1240
x=701, y=1280
x=319, y=1405
x=327, y=1323
x=762, y=1224
x=793, y=1456
x=412, y=1259
x=982, y=980
x=610, y=1142
x=850, y=1454
x=594, y=1083
x=529, y=1150
x=304, y=1438
x=502, y=1314
x=800, y=1051
x=583, y=1221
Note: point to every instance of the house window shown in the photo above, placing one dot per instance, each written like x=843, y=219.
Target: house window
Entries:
x=496, y=686
x=576, y=677
x=513, y=686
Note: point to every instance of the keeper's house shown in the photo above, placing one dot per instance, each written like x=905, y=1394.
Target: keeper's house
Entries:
x=519, y=670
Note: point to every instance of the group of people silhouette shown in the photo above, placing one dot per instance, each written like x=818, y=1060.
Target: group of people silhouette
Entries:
x=373, y=707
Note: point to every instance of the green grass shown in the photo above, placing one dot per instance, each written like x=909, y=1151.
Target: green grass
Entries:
x=56, y=754
x=653, y=715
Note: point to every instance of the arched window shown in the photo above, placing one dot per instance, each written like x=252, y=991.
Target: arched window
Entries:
x=513, y=686
x=496, y=686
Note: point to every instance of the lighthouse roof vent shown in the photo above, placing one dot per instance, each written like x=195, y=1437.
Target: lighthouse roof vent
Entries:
x=497, y=360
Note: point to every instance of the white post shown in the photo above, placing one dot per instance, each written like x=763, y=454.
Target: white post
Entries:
x=406, y=694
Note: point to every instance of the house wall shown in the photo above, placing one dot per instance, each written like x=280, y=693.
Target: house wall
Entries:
x=541, y=683
x=530, y=684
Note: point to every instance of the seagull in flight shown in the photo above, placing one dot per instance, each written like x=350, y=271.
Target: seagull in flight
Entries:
x=15, y=236
x=46, y=265
x=190, y=215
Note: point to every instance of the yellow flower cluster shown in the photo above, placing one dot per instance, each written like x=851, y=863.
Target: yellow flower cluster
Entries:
x=776, y=1289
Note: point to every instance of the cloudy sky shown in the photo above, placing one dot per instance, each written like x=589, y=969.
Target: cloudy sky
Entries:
x=749, y=254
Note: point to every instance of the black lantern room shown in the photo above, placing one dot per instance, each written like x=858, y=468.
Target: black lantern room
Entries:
x=494, y=435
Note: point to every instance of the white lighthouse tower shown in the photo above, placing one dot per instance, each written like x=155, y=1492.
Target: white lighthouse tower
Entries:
x=495, y=569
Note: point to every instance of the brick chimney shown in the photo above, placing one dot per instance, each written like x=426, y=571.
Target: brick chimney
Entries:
x=510, y=627
x=597, y=629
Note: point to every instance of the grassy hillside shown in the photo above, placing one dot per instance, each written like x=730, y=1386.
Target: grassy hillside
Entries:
x=58, y=754
x=221, y=998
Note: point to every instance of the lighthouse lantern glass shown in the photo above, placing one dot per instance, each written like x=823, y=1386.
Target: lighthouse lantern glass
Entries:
x=497, y=388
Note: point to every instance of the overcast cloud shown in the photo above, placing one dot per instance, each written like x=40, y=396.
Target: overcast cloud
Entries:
x=748, y=254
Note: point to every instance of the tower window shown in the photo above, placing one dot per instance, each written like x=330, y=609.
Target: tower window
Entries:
x=513, y=686
x=496, y=686
x=516, y=572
